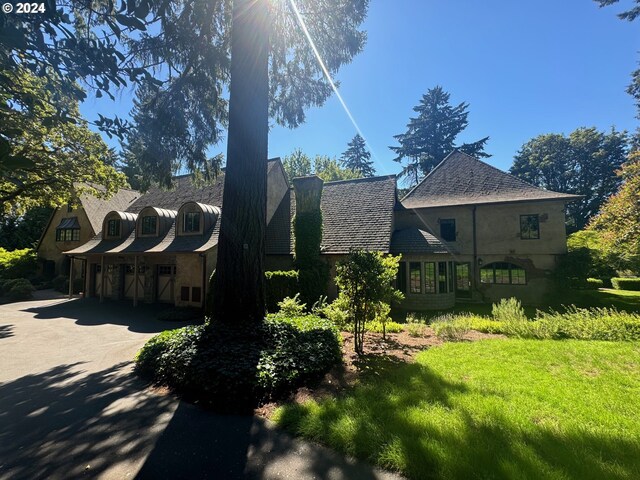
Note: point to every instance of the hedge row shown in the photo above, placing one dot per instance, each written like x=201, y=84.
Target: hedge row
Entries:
x=630, y=283
x=279, y=285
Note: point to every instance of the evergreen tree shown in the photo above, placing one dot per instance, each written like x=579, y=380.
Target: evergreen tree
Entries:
x=431, y=136
x=358, y=158
x=583, y=163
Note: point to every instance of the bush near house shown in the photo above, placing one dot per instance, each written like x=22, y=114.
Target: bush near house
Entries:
x=18, y=263
x=61, y=284
x=17, y=289
x=630, y=283
x=235, y=368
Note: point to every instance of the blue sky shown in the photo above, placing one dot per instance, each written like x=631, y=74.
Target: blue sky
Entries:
x=525, y=68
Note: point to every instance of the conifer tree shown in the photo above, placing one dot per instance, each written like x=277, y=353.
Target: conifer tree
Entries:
x=358, y=158
x=431, y=136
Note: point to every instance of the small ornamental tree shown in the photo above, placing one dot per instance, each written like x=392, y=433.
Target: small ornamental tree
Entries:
x=365, y=279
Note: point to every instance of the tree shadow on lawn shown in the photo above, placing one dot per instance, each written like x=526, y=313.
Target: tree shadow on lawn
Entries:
x=89, y=311
x=383, y=423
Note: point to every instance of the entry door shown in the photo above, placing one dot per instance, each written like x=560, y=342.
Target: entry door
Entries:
x=108, y=281
x=97, y=280
x=463, y=280
x=166, y=274
x=129, y=279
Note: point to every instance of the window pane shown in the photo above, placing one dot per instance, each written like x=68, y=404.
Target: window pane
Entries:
x=448, y=229
x=113, y=228
x=462, y=276
x=59, y=235
x=75, y=235
x=415, y=277
x=529, y=227
x=149, y=225
x=442, y=277
x=486, y=274
x=429, y=277
x=191, y=222
x=68, y=235
x=401, y=279
x=518, y=276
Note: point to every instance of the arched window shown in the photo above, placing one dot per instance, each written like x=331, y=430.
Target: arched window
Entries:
x=503, y=273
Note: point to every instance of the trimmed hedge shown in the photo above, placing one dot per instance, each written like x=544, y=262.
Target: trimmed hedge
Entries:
x=235, y=368
x=594, y=283
x=627, y=283
x=280, y=284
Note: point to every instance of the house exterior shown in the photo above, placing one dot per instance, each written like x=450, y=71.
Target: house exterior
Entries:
x=467, y=232
x=74, y=225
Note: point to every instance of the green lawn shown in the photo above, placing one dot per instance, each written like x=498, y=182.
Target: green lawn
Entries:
x=491, y=409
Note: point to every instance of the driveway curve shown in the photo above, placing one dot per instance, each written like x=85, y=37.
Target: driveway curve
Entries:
x=70, y=406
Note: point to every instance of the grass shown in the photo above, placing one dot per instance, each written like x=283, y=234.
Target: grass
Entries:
x=492, y=409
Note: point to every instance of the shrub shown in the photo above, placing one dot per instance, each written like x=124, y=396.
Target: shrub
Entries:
x=485, y=325
x=589, y=324
x=376, y=326
x=61, y=283
x=621, y=283
x=338, y=312
x=450, y=327
x=291, y=306
x=18, y=263
x=279, y=285
x=232, y=368
x=416, y=329
x=508, y=309
x=594, y=283
x=19, y=289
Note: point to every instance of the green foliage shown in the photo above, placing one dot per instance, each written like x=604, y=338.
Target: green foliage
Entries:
x=279, y=285
x=338, y=312
x=17, y=289
x=508, y=310
x=525, y=409
x=366, y=280
x=594, y=283
x=416, y=329
x=358, y=158
x=232, y=368
x=291, y=307
x=583, y=163
x=299, y=164
x=18, y=231
x=376, y=326
x=18, y=263
x=586, y=257
x=451, y=328
x=618, y=223
x=485, y=325
x=431, y=135
x=626, y=283
x=50, y=163
x=60, y=283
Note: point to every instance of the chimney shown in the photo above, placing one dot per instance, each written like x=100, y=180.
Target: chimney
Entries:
x=308, y=193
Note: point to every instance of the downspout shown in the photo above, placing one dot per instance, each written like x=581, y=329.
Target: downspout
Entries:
x=476, y=273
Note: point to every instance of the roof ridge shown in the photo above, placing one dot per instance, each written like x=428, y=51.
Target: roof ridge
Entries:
x=363, y=179
x=455, y=150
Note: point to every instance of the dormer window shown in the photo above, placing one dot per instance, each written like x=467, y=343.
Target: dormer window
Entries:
x=191, y=222
x=113, y=228
x=149, y=225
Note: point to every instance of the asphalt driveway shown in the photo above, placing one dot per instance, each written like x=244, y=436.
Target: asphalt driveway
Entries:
x=70, y=407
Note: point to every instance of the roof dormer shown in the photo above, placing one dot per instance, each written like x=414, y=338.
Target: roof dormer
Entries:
x=153, y=221
x=196, y=218
x=117, y=225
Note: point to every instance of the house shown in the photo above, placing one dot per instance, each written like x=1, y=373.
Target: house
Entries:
x=74, y=225
x=467, y=231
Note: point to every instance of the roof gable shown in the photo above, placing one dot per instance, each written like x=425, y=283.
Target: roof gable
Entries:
x=97, y=208
x=461, y=179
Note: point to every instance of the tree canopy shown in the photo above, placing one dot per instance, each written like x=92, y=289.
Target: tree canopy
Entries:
x=299, y=164
x=619, y=219
x=431, y=136
x=582, y=163
x=357, y=157
x=44, y=162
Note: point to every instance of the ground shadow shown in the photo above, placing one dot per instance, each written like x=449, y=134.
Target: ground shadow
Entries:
x=89, y=311
x=6, y=331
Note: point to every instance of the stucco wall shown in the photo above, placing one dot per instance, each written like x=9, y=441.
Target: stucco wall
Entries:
x=49, y=249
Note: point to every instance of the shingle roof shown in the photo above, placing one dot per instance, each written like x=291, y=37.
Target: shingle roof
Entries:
x=415, y=240
x=461, y=179
x=97, y=208
x=279, y=240
x=358, y=214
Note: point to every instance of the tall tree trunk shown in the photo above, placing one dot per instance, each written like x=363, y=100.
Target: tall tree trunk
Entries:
x=239, y=280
